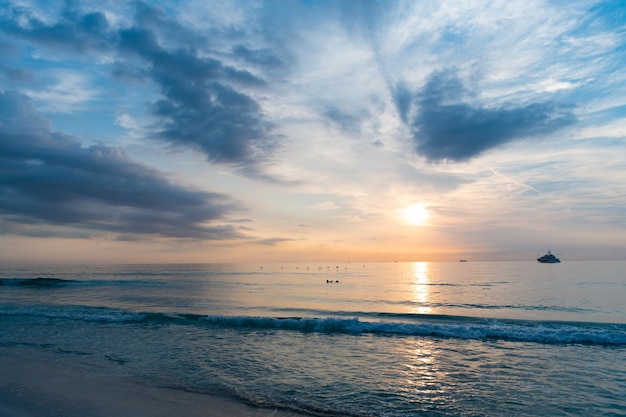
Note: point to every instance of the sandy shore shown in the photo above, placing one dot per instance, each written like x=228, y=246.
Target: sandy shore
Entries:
x=61, y=386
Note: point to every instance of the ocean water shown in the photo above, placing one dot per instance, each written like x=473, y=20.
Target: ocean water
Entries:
x=353, y=339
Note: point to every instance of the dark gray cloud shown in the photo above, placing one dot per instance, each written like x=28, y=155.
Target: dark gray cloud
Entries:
x=261, y=57
x=74, y=32
x=273, y=241
x=445, y=128
x=403, y=98
x=47, y=177
x=201, y=105
x=205, y=105
x=155, y=19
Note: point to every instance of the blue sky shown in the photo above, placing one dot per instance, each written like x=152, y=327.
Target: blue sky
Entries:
x=218, y=131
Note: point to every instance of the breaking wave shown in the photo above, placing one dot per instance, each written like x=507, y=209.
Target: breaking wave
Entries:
x=432, y=326
x=36, y=282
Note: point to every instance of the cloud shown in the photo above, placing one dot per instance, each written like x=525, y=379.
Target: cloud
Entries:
x=349, y=122
x=273, y=241
x=261, y=57
x=71, y=91
x=205, y=104
x=446, y=128
x=326, y=206
x=15, y=75
x=48, y=178
x=74, y=32
x=201, y=105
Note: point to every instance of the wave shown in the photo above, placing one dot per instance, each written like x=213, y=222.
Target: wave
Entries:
x=477, y=306
x=456, y=327
x=36, y=282
x=48, y=282
x=396, y=325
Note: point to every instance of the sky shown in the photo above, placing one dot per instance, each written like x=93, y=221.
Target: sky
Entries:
x=311, y=131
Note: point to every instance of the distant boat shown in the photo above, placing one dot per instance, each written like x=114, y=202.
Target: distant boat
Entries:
x=549, y=258
x=462, y=260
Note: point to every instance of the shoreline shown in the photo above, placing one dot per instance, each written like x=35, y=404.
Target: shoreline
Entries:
x=58, y=385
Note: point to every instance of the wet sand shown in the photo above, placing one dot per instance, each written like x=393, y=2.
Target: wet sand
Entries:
x=60, y=385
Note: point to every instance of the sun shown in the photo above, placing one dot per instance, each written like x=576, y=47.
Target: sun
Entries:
x=415, y=214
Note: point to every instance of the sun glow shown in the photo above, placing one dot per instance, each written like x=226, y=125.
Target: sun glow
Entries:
x=415, y=214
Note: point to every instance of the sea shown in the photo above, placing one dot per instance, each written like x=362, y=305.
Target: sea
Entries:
x=340, y=339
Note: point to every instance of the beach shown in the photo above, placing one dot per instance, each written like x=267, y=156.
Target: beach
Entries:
x=61, y=385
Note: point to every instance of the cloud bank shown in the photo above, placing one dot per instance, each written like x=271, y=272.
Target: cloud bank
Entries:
x=47, y=177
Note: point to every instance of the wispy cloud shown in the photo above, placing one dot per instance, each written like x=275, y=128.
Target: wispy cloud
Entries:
x=68, y=92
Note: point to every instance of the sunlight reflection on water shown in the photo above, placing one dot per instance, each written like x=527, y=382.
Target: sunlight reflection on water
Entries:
x=421, y=288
